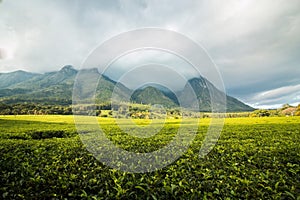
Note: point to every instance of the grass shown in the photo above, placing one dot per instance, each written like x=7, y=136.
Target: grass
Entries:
x=42, y=157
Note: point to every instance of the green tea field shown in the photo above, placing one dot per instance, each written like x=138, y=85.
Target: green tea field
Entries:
x=43, y=157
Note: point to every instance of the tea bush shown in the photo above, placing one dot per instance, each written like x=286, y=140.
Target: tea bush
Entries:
x=255, y=158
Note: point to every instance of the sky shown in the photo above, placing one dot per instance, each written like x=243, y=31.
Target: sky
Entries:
x=254, y=44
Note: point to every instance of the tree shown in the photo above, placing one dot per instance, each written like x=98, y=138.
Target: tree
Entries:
x=286, y=106
x=298, y=111
x=261, y=113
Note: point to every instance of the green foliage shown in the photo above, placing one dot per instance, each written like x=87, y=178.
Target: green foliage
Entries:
x=298, y=111
x=255, y=158
x=36, y=109
x=261, y=113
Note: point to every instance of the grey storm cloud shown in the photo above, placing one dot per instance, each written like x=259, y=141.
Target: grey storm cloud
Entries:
x=255, y=44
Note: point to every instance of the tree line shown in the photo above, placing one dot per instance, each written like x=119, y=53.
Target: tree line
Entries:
x=131, y=110
x=34, y=109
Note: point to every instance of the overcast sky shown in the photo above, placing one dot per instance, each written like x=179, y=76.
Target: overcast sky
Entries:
x=255, y=44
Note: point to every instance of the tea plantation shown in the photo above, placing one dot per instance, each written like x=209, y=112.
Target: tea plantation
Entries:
x=42, y=157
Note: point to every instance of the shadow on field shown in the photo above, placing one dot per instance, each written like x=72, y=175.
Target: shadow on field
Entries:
x=26, y=130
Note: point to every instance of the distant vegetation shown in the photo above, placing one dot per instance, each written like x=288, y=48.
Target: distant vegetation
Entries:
x=134, y=110
x=285, y=110
x=34, y=109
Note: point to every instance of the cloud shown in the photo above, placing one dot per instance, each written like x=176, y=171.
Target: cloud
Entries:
x=255, y=44
x=151, y=57
x=2, y=54
x=275, y=97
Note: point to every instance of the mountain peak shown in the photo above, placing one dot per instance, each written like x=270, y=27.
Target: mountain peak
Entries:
x=17, y=72
x=68, y=69
x=198, y=80
x=90, y=70
x=20, y=71
x=151, y=95
x=150, y=87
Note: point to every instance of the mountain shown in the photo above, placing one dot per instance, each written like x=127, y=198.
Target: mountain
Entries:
x=104, y=90
x=152, y=95
x=195, y=88
x=48, y=88
x=234, y=105
x=64, y=76
x=57, y=88
x=201, y=88
x=166, y=91
x=12, y=78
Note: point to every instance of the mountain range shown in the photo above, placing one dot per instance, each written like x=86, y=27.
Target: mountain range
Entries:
x=56, y=88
